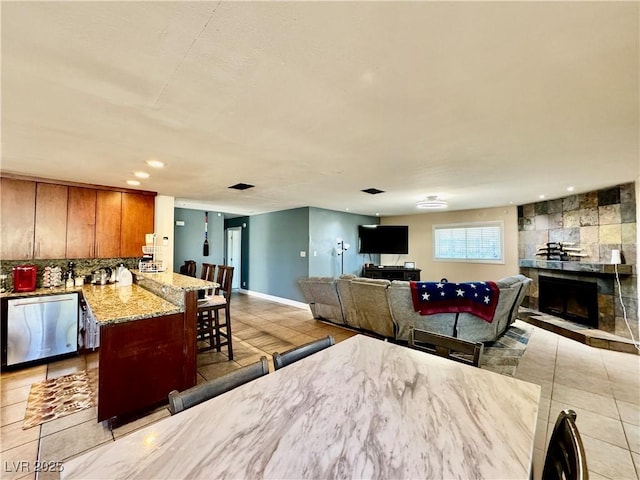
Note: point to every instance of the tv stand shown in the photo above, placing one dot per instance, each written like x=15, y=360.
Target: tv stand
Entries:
x=391, y=273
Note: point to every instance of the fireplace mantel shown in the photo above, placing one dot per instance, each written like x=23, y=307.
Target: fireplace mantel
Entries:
x=598, y=268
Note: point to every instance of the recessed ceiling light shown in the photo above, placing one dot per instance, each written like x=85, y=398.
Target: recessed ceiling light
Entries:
x=133, y=182
x=541, y=197
x=155, y=163
x=141, y=174
x=571, y=189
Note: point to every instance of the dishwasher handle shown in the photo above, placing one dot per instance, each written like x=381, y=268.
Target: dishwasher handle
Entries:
x=38, y=302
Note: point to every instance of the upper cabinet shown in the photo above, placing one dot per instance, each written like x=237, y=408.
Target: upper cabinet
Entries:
x=45, y=220
x=51, y=221
x=108, y=224
x=81, y=223
x=17, y=223
x=137, y=220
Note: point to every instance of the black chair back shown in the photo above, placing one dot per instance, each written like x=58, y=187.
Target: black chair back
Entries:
x=283, y=359
x=449, y=347
x=179, y=401
x=189, y=268
x=565, y=458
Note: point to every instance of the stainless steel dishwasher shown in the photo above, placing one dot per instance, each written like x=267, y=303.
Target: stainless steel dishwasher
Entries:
x=40, y=327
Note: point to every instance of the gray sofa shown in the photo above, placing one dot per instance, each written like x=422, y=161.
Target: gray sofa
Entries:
x=386, y=309
x=322, y=296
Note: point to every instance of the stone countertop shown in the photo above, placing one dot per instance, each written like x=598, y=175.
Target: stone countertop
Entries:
x=116, y=304
x=41, y=291
x=362, y=408
x=175, y=280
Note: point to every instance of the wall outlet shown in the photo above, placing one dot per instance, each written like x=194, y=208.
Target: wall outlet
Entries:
x=303, y=253
x=179, y=223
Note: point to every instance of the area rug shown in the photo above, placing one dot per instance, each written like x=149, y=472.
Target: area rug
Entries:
x=57, y=397
x=503, y=355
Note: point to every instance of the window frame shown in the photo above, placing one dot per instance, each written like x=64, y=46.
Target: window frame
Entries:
x=465, y=226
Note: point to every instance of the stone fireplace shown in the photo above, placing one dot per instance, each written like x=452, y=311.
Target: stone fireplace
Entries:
x=587, y=289
x=572, y=299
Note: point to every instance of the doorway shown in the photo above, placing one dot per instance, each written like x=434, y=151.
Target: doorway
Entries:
x=234, y=253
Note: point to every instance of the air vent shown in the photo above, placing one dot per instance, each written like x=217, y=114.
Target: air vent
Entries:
x=373, y=191
x=241, y=186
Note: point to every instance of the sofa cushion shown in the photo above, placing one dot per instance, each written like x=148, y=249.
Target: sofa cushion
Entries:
x=372, y=306
x=322, y=295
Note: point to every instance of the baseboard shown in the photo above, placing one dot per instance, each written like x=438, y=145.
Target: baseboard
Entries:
x=284, y=301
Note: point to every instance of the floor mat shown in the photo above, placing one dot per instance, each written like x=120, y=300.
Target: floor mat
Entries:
x=503, y=355
x=57, y=397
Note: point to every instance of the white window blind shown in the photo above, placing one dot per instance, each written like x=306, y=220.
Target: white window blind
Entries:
x=476, y=242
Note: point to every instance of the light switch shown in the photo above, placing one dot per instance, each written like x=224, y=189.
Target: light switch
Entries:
x=303, y=253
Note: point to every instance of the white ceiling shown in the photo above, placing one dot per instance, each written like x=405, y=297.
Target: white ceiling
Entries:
x=483, y=103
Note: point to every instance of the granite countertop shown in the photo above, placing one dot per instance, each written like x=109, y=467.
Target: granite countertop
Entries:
x=41, y=291
x=362, y=408
x=116, y=304
x=175, y=280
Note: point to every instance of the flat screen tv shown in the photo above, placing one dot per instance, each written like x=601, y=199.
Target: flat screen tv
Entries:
x=384, y=239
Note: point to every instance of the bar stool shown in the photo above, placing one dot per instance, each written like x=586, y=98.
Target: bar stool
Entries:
x=210, y=329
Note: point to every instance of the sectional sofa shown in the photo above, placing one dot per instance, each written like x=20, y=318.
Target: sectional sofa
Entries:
x=385, y=308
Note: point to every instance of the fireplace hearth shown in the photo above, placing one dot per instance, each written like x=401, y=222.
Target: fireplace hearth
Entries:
x=572, y=300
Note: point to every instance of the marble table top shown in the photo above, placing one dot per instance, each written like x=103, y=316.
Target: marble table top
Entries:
x=363, y=408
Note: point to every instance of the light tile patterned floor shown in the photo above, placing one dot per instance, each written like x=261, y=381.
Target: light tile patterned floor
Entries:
x=602, y=386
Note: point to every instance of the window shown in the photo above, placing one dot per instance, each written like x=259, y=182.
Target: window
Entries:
x=473, y=242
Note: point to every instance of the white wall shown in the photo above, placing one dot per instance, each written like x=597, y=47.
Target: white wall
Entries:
x=163, y=225
x=421, y=245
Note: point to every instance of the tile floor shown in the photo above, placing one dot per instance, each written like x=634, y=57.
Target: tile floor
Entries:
x=602, y=386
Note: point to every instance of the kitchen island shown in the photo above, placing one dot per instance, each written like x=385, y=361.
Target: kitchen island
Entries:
x=147, y=341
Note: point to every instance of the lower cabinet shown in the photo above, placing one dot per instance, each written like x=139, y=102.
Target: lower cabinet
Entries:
x=141, y=361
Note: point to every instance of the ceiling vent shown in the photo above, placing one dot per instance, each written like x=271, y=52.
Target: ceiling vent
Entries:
x=241, y=186
x=372, y=191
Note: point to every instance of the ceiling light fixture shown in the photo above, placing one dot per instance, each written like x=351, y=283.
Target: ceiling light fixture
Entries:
x=432, y=202
x=134, y=183
x=155, y=163
x=141, y=174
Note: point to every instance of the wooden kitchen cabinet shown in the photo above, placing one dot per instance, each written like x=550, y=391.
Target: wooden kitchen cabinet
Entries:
x=81, y=222
x=108, y=220
x=46, y=220
x=51, y=221
x=140, y=362
x=137, y=220
x=17, y=222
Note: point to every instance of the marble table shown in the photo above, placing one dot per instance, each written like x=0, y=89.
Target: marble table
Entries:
x=363, y=408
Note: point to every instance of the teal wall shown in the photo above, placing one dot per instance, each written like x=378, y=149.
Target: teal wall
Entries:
x=325, y=226
x=190, y=238
x=275, y=242
x=243, y=222
x=271, y=246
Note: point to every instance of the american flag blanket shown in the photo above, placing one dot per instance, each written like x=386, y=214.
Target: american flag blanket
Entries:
x=478, y=298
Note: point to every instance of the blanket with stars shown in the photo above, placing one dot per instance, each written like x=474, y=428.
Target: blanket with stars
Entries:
x=478, y=298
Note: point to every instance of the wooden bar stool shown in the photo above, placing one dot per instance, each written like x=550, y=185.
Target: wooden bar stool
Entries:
x=210, y=328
